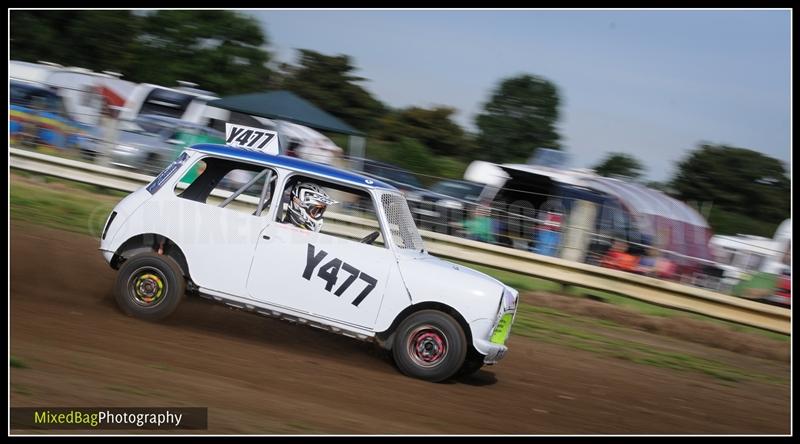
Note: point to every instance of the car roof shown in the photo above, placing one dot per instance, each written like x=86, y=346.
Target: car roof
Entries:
x=294, y=164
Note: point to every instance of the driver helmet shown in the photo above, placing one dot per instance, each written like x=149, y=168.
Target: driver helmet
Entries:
x=307, y=203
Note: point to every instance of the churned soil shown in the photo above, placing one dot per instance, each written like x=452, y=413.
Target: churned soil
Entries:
x=73, y=347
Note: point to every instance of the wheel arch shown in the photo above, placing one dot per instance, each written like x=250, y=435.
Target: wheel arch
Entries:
x=150, y=242
x=385, y=338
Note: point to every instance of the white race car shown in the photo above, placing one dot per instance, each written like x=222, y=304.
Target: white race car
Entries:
x=367, y=276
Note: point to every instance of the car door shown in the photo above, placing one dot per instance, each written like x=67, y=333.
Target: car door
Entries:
x=320, y=274
x=218, y=241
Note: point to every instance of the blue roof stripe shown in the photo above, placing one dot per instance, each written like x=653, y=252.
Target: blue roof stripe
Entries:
x=294, y=164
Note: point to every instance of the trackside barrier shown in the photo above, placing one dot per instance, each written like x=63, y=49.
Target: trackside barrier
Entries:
x=567, y=273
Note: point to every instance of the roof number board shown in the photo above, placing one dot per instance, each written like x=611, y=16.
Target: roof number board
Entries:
x=252, y=139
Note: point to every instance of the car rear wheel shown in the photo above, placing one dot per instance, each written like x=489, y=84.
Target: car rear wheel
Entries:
x=149, y=286
x=430, y=345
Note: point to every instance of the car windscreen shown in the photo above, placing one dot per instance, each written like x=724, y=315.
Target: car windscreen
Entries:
x=143, y=125
x=39, y=98
x=458, y=190
x=401, y=223
x=162, y=102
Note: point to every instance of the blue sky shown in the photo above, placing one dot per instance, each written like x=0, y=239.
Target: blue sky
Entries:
x=649, y=83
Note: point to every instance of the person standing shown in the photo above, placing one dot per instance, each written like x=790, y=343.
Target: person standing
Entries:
x=108, y=132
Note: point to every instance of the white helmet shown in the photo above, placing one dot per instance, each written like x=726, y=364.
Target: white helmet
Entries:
x=307, y=204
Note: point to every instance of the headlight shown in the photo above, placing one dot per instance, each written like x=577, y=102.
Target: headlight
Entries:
x=502, y=326
x=510, y=298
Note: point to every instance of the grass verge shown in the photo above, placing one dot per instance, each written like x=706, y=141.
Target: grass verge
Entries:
x=528, y=283
x=61, y=204
x=14, y=362
x=589, y=334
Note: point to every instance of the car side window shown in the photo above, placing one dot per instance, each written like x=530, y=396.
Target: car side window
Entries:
x=334, y=209
x=229, y=184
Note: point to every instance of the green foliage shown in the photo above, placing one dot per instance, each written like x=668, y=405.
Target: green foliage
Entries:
x=410, y=154
x=732, y=223
x=433, y=128
x=619, y=164
x=98, y=40
x=520, y=118
x=748, y=190
x=329, y=83
x=221, y=51
x=660, y=186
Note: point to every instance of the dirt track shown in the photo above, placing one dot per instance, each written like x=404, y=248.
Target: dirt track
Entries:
x=259, y=375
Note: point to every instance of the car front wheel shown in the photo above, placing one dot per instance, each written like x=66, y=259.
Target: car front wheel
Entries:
x=149, y=286
x=430, y=345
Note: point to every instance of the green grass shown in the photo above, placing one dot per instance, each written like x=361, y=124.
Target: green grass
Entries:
x=588, y=334
x=16, y=363
x=87, y=187
x=61, y=204
x=525, y=283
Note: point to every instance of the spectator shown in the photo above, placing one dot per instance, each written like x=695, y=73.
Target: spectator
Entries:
x=479, y=225
x=618, y=258
x=665, y=268
x=647, y=262
x=548, y=234
x=108, y=127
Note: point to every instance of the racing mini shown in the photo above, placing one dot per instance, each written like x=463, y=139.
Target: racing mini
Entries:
x=215, y=223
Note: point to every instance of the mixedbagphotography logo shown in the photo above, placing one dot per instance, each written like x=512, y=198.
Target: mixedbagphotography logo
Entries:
x=110, y=418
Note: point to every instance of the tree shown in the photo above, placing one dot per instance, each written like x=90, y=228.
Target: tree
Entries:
x=619, y=164
x=329, y=83
x=433, y=128
x=735, y=181
x=97, y=40
x=222, y=51
x=660, y=186
x=520, y=117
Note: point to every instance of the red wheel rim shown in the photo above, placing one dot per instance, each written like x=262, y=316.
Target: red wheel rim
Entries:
x=427, y=346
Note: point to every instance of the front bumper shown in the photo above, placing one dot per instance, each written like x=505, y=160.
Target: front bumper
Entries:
x=492, y=352
x=107, y=255
x=490, y=336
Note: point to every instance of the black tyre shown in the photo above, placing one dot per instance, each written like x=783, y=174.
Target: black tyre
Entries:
x=149, y=286
x=429, y=345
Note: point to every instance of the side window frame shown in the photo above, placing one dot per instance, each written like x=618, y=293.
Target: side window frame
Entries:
x=273, y=176
x=388, y=242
